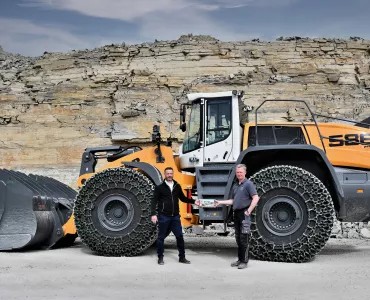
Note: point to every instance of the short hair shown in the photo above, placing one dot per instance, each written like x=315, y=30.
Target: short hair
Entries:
x=242, y=166
x=168, y=168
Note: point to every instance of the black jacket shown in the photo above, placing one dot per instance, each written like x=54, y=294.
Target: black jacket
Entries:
x=166, y=202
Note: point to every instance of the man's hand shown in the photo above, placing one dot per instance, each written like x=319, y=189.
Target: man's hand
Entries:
x=217, y=203
x=154, y=219
x=247, y=213
x=197, y=202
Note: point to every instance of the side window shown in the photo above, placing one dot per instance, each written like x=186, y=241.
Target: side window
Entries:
x=218, y=121
x=193, y=133
x=276, y=135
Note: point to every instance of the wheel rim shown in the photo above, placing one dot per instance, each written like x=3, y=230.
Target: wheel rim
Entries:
x=115, y=212
x=282, y=215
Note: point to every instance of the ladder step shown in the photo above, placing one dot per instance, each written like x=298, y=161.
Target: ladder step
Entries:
x=210, y=193
x=220, y=168
x=220, y=181
x=212, y=181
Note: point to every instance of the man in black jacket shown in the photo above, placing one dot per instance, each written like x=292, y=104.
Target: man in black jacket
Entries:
x=165, y=202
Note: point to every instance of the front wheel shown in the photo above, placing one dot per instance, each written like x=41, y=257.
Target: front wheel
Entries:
x=294, y=217
x=112, y=213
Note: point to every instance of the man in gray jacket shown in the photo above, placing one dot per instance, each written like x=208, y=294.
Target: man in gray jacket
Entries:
x=244, y=200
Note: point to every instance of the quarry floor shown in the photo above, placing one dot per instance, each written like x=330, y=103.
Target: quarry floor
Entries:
x=340, y=271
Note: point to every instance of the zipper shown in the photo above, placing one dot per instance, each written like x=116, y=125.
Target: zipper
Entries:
x=173, y=203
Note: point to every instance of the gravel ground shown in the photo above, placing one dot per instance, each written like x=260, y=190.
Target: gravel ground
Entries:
x=340, y=271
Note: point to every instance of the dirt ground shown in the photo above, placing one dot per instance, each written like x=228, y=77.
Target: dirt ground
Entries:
x=340, y=271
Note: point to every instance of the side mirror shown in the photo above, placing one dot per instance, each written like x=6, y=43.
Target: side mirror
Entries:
x=182, y=117
x=183, y=127
x=183, y=113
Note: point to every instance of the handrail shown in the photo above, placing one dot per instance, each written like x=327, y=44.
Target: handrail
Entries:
x=291, y=100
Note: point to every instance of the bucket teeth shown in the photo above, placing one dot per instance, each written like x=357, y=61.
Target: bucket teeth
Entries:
x=33, y=209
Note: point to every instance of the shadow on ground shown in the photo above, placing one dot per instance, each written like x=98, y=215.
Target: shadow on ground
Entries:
x=226, y=246
x=331, y=249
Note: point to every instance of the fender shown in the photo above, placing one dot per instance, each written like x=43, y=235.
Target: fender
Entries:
x=152, y=172
x=302, y=151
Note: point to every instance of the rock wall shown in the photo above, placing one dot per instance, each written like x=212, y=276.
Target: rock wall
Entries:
x=54, y=106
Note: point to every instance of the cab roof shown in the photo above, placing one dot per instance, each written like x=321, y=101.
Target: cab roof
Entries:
x=195, y=96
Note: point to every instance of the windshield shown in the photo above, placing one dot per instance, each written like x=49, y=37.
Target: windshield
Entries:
x=192, y=136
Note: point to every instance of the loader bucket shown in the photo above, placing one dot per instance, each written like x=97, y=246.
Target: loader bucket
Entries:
x=33, y=210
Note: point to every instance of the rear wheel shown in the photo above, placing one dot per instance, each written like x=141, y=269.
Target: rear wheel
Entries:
x=294, y=217
x=112, y=213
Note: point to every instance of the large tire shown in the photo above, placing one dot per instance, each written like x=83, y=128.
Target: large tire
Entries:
x=112, y=213
x=294, y=217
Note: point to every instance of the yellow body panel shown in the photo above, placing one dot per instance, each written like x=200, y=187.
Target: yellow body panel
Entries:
x=355, y=156
x=148, y=155
x=69, y=227
x=338, y=153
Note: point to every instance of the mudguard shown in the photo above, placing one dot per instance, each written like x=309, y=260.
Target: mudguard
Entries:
x=299, y=151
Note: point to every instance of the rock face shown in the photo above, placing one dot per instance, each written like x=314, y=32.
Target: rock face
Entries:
x=54, y=106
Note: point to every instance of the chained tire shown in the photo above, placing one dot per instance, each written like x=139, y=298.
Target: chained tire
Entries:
x=294, y=216
x=112, y=213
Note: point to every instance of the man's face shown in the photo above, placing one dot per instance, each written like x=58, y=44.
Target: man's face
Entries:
x=168, y=175
x=240, y=173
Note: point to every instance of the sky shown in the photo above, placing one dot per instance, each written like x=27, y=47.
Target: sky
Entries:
x=31, y=27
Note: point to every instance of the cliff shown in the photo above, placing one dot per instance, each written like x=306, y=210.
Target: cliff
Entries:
x=54, y=106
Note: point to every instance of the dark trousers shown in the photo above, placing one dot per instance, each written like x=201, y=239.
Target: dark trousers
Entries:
x=242, y=231
x=166, y=225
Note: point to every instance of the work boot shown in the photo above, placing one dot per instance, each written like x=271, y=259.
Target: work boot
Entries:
x=160, y=261
x=183, y=260
x=242, y=265
x=236, y=263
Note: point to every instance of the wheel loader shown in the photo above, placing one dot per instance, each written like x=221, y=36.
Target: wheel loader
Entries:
x=307, y=174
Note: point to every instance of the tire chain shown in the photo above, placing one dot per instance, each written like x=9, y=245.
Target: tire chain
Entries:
x=134, y=243
x=320, y=215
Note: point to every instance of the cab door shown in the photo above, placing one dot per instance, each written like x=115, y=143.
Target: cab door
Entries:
x=192, y=149
x=218, y=130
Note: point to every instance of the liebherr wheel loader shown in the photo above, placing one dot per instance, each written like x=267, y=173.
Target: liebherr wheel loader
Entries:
x=306, y=174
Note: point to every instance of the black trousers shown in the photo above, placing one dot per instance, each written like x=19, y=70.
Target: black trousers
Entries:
x=166, y=225
x=242, y=224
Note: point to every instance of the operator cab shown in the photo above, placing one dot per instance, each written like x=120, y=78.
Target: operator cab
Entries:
x=213, y=129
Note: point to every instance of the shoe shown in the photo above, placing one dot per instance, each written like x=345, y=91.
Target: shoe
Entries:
x=236, y=263
x=183, y=260
x=160, y=261
x=242, y=265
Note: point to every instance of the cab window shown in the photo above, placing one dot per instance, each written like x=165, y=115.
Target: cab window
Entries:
x=218, y=120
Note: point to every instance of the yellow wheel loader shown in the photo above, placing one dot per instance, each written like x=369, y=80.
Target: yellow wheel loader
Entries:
x=306, y=174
